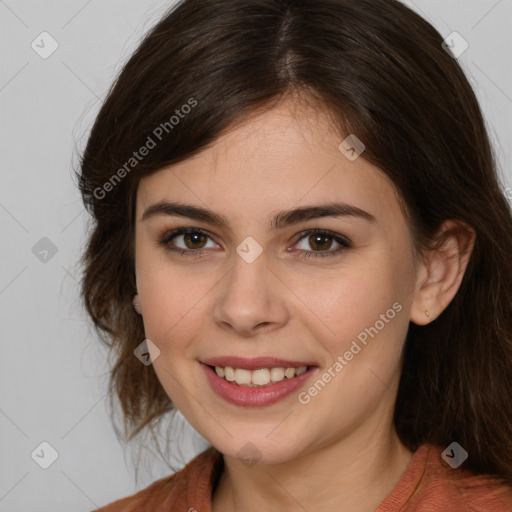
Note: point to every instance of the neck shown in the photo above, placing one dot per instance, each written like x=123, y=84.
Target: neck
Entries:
x=353, y=475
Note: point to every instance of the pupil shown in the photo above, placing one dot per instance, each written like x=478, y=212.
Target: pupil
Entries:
x=196, y=237
x=318, y=238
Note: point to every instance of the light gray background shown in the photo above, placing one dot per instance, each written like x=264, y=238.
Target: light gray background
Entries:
x=53, y=371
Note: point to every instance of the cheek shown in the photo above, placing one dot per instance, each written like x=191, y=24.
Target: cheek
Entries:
x=362, y=313
x=177, y=301
x=363, y=332
x=173, y=308
x=352, y=300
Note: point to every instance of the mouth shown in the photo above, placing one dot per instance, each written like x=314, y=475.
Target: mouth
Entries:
x=260, y=377
x=251, y=383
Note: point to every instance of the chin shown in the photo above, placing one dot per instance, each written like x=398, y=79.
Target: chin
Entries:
x=258, y=450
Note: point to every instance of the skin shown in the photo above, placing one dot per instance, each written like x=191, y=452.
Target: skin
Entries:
x=343, y=441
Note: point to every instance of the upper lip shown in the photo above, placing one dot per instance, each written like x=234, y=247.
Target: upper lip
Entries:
x=254, y=363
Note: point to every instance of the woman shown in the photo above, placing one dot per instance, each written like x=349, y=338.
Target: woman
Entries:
x=301, y=243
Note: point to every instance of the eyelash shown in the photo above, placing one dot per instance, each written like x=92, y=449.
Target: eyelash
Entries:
x=344, y=242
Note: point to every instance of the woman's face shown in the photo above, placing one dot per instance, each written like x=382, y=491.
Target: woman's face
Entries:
x=253, y=287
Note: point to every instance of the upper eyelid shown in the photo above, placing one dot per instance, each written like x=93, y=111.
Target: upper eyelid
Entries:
x=340, y=239
x=183, y=230
x=170, y=234
x=179, y=231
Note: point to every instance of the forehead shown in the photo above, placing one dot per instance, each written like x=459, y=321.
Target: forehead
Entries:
x=284, y=157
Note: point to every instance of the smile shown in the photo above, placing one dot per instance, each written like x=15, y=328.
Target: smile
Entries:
x=257, y=387
x=259, y=377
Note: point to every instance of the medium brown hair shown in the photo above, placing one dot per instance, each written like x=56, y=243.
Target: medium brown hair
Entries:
x=380, y=70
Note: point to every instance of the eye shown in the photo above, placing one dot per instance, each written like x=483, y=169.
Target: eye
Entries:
x=193, y=240
x=321, y=240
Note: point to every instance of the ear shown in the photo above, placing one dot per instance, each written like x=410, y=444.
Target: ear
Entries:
x=136, y=304
x=441, y=271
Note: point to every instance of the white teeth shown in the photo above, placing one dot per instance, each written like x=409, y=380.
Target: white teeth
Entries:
x=259, y=377
x=289, y=373
x=229, y=373
x=242, y=376
x=276, y=374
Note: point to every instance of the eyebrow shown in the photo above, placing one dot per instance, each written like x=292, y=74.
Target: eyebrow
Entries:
x=280, y=220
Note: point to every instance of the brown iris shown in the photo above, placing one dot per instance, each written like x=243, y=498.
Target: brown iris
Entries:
x=315, y=238
x=194, y=238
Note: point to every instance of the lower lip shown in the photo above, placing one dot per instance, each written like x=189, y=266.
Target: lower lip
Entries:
x=255, y=396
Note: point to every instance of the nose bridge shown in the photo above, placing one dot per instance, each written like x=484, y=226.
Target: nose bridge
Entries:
x=250, y=296
x=247, y=285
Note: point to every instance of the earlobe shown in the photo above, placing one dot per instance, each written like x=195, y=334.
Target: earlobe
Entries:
x=442, y=271
x=136, y=304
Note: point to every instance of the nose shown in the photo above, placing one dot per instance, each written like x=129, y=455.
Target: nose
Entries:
x=252, y=299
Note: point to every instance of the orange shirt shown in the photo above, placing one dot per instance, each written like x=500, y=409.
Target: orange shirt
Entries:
x=427, y=485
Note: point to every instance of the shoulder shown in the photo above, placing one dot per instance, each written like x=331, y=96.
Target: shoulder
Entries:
x=146, y=499
x=193, y=483
x=429, y=484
